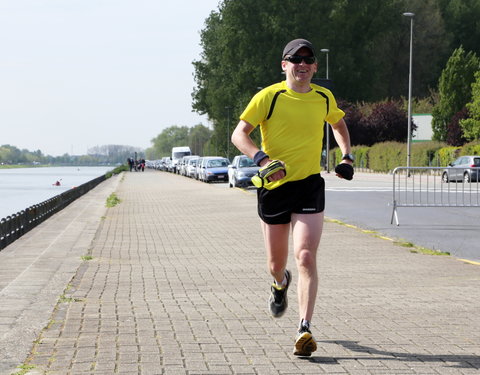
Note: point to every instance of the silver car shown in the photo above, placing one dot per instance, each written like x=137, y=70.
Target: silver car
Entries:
x=213, y=168
x=191, y=167
x=241, y=171
x=465, y=168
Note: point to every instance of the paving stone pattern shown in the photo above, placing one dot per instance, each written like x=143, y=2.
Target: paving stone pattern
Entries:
x=178, y=285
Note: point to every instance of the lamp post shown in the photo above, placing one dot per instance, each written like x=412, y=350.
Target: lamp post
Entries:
x=228, y=108
x=327, y=125
x=409, y=134
x=326, y=51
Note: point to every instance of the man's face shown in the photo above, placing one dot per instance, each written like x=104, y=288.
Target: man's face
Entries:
x=300, y=72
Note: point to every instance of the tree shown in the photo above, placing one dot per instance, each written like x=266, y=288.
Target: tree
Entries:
x=471, y=126
x=170, y=137
x=387, y=122
x=173, y=136
x=455, y=135
x=454, y=89
x=371, y=55
x=368, y=58
x=462, y=22
x=197, y=138
x=353, y=118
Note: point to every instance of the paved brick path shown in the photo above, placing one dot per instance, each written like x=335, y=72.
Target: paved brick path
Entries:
x=178, y=285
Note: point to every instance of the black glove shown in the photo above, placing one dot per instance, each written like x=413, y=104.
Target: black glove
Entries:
x=344, y=170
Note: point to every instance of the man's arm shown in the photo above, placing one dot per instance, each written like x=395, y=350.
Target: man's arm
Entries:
x=241, y=139
x=340, y=132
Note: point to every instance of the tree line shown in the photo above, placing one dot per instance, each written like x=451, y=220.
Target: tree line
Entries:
x=368, y=43
x=98, y=155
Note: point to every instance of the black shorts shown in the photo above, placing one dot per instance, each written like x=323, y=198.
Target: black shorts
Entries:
x=305, y=196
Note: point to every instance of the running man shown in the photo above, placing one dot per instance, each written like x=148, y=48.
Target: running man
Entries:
x=291, y=115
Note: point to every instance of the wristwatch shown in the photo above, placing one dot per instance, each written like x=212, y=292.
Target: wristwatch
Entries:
x=348, y=157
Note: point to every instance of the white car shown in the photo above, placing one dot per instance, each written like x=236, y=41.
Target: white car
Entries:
x=191, y=168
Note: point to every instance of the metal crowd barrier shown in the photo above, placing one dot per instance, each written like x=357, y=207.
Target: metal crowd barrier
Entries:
x=435, y=187
x=14, y=226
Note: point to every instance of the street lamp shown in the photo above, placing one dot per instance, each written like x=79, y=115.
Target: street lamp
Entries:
x=228, y=108
x=327, y=125
x=326, y=51
x=409, y=134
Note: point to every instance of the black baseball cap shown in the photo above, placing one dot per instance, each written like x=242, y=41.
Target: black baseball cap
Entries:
x=293, y=46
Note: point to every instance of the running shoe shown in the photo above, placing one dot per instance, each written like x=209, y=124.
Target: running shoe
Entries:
x=305, y=344
x=278, y=299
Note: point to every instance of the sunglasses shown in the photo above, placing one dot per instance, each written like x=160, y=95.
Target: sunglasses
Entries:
x=295, y=59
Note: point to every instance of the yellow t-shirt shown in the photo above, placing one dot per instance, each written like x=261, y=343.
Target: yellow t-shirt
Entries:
x=293, y=131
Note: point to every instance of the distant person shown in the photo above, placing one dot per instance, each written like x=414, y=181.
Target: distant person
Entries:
x=141, y=165
x=57, y=183
x=130, y=163
x=291, y=116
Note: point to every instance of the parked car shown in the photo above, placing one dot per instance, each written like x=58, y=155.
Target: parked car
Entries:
x=197, y=168
x=182, y=164
x=191, y=167
x=165, y=163
x=241, y=171
x=465, y=168
x=213, y=168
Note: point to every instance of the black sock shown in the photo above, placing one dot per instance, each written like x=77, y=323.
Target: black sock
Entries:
x=304, y=324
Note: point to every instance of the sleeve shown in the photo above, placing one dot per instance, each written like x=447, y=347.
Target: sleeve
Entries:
x=335, y=114
x=256, y=111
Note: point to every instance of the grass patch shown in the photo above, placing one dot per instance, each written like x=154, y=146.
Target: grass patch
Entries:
x=404, y=244
x=64, y=299
x=23, y=369
x=86, y=257
x=423, y=250
x=112, y=200
x=413, y=248
x=117, y=170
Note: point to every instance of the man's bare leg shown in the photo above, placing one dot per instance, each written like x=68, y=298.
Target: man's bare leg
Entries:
x=276, y=246
x=307, y=231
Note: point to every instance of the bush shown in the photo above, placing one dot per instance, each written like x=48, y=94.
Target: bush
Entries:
x=361, y=156
x=117, y=170
x=472, y=148
x=386, y=156
x=370, y=123
x=455, y=135
x=353, y=118
x=424, y=154
x=446, y=155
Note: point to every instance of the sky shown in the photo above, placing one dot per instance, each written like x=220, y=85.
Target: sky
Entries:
x=75, y=74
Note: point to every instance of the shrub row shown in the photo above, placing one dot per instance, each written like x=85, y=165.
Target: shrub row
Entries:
x=386, y=156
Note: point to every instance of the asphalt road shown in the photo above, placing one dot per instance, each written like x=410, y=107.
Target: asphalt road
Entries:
x=366, y=202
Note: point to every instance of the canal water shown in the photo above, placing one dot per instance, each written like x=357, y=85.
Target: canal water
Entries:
x=23, y=187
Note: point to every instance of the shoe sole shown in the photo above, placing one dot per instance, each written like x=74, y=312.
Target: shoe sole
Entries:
x=305, y=345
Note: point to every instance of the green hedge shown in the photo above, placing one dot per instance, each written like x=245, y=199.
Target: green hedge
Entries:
x=361, y=156
x=117, y=170
x=386, y=156
x=446, y=155
x=472, y=148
